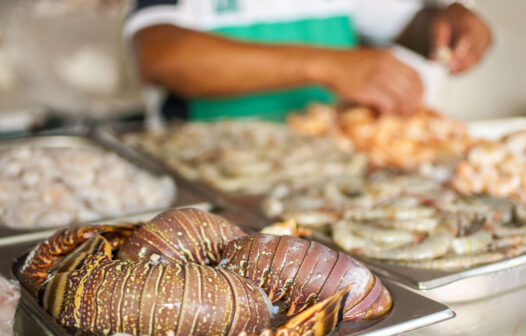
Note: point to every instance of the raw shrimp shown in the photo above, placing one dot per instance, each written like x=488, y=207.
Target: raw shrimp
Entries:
x=477, y=242
x=248, y=157
x=392, y=213
x=436, y=245
x=455, y=262
x=426, y=224
x=348, y=240
x=382, y=236
x=312, y=218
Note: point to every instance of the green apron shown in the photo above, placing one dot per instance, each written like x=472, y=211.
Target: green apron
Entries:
x=335, y=32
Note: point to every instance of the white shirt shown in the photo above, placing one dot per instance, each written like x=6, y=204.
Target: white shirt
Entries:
x=377, y=21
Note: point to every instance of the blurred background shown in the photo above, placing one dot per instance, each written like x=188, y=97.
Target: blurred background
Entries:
x=497, y=87
x=70, y=59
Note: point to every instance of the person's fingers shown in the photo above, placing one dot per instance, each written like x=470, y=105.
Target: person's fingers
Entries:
x=381, y=101
x=480, y=41
x=408, y=80
x=463, y=46
x=402, y=92
x=472, y=58
x=442, y=37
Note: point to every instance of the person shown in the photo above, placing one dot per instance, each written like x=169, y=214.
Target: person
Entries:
x=239, y=58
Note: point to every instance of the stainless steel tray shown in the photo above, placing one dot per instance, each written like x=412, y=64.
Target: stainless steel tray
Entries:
x=449, y=287
x=248, y=205
x=458, y=286
x=9, y=235
x=410, y=310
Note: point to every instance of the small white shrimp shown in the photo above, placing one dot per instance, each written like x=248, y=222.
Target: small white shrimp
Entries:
x=349, y=241
x=507, y=241
x=312, y=218
x=477, y=242
x=382, y=236
x=450, y=263
x=506, y=231
x=391, y=212
x=436, y=245
x=426, y=224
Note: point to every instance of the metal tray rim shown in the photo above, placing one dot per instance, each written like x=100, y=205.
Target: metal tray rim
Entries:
x=39, y=235
x=80, y=139
x=418, y=323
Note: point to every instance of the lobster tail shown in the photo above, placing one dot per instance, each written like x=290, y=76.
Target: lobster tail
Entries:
x=301, y=272
x=182, y=236
x=43, y=258
x=109, y=296
x=318, y=320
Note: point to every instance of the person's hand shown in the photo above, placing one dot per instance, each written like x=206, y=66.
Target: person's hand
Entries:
x=463, y=35
x=374, y=78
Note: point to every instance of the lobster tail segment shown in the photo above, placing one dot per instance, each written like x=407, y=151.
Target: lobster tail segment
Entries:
x=183, y=235
x=318, y=320
x=44, y=257
x=300, y=273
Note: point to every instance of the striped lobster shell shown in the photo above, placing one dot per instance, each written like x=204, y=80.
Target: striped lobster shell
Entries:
x=143, y=298
x=188, y=272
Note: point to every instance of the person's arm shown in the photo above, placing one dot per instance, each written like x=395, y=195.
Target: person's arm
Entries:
x=196, y=64
x=455, y=28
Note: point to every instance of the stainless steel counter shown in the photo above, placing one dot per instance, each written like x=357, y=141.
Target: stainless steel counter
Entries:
x=504, y=315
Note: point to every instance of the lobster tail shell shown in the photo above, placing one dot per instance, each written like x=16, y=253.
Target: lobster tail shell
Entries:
x=47, y=254
x=144, y=298
x=301, y=272
x=181, y=235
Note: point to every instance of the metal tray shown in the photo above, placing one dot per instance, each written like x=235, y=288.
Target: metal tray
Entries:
x=449, y=287
x=248, y=205
x=455, y=286
x=410, y=310
x=458, y=286
x=9, y=235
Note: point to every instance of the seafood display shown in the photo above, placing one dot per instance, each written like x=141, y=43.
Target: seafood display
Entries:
x=247, y=157
x=406, y=219
x=45, y=187
x=391, y=141
x=9, y=296
x=188, y=272
x=495, y=168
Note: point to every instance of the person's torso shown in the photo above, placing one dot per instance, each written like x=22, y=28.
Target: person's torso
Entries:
x=325, y=23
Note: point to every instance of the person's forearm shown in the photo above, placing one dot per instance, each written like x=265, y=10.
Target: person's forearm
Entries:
x=196, y=64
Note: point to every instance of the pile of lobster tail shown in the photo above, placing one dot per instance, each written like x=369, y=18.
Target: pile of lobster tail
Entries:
x=188, y=272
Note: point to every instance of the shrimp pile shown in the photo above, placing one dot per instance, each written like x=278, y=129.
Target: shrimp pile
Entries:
x=247, y=157
x=388, y=140
x=45, y=187
x=9, y=297
x=495, y=168
x=406, y=219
